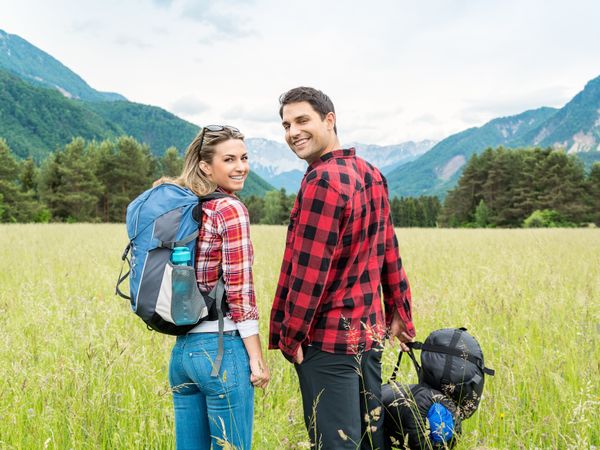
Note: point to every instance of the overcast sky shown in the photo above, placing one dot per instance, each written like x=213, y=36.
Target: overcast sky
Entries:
x=395, y=70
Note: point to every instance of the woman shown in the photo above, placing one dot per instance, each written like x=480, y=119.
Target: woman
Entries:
x=210, y=410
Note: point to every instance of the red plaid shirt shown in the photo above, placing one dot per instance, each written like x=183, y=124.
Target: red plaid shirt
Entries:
x=224, y=241
x=340, y=247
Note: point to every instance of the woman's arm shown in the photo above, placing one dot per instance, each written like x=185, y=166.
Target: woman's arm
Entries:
x=259, y=372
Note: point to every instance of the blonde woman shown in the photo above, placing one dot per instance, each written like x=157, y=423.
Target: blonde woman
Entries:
x=219, y=410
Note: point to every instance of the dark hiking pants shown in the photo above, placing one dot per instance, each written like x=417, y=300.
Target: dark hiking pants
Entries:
x=341, y=398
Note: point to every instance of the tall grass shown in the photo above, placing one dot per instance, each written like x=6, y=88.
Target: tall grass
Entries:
x=79, y=370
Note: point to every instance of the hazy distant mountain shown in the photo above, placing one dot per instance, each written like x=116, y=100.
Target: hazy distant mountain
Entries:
x=277, y=164
x=389, y=157
x=37, y=67
x=575, y=127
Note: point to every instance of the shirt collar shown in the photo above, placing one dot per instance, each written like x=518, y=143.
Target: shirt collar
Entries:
x=341, y=153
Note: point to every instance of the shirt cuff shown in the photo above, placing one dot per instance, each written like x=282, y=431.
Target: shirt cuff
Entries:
x=247, y=328
x=288, y=352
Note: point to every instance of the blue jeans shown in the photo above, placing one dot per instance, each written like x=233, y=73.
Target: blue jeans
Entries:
x=211, y=410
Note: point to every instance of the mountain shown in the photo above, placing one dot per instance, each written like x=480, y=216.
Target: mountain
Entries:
x=389, y=157
x=44, y=105
x=35, y=120
x=574, y=127
x=39, y=68
x=149, y=124
x=277, y=164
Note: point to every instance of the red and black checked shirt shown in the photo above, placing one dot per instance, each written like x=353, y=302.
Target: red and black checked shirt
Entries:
x=340, y=248
x=224, y=241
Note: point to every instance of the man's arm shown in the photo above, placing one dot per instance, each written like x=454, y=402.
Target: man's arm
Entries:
x=396, y=290
x=316, y=236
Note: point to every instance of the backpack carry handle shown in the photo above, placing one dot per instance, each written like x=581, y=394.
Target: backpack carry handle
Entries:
x=121, y=276
x=411, y=354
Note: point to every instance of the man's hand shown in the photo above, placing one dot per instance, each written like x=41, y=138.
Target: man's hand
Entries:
x=299, y=356
x=398, y=330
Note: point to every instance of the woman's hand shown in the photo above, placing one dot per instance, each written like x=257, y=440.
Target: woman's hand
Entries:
x=259, y=372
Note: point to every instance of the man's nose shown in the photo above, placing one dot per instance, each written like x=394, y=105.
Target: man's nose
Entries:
x=294, y=130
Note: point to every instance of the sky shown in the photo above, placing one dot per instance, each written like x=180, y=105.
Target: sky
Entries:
x=396, y=70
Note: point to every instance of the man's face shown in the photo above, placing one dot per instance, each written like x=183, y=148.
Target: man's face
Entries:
x=306, y=133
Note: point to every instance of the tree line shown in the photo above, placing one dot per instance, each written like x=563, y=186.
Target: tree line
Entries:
x=91, y=181
x=523, y=187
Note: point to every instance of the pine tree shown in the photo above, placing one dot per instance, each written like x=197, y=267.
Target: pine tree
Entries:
x=9, y=189
x=594, y=194
x=171, y=163
x=126, y=169
x=70, y=186
x=273, y=209
x=561, y=186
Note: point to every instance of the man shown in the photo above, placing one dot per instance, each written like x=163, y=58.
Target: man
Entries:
x=327, y=315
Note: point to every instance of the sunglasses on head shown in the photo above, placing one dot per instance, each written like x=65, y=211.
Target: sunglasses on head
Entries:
x=214, y=128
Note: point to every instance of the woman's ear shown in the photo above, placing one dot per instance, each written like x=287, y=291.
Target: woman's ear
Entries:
x=205, y=168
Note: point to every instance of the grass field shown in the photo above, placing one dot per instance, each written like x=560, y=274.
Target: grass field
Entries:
x=79, y=370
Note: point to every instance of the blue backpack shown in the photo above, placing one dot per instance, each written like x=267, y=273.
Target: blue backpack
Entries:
x=159, y=220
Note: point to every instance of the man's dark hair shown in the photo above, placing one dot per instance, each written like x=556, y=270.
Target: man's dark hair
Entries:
x=320, y=102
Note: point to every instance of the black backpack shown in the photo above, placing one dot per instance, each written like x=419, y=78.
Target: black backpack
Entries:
x=452, y=362
x=418, y=417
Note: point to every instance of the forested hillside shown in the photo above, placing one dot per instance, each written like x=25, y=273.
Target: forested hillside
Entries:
x=524, y=187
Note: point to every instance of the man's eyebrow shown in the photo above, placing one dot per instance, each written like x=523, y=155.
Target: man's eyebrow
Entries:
x=294, y=119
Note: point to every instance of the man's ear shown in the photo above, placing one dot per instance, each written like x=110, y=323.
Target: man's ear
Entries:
x=330, y=119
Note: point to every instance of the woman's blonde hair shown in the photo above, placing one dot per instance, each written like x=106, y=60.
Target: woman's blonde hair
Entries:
x=202, y=148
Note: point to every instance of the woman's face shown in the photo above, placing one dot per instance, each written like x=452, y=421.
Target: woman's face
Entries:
x=229, y=167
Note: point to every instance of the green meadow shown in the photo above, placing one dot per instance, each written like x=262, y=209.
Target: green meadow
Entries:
x=79, y=371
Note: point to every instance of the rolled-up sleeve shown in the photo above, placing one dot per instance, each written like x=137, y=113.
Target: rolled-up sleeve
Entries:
x=237, y=259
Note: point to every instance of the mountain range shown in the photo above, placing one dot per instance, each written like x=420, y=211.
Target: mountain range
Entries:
x=43, y=104
x=575, y=128
x=276, y=163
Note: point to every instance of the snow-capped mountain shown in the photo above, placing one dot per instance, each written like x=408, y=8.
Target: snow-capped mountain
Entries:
x=278, y=165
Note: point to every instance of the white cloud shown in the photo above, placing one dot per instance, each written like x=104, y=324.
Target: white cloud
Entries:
x=396, y=71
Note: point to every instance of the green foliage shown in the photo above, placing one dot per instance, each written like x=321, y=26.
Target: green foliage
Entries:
x=69, y=185
x=149, y=125
x=482, y=215
x=171, y=163
x=126, y=169
x=512, y=184
x=94, y=181
x=17, y=204
x=546, y=218
x=35, y=121
x=415, y=211
x=594, y=193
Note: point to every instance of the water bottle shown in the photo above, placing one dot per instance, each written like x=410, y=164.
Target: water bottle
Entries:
x=181, y=256
x=183, y=308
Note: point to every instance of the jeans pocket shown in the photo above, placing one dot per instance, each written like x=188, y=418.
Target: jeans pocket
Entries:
x=227, y=380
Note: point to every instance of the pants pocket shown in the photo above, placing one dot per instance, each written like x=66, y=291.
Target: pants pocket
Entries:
x=227, y=380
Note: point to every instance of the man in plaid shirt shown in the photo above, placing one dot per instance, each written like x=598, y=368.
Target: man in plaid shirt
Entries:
x=328, y=317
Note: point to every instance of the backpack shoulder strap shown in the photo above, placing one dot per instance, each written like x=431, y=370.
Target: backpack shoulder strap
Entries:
x=219, y=290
